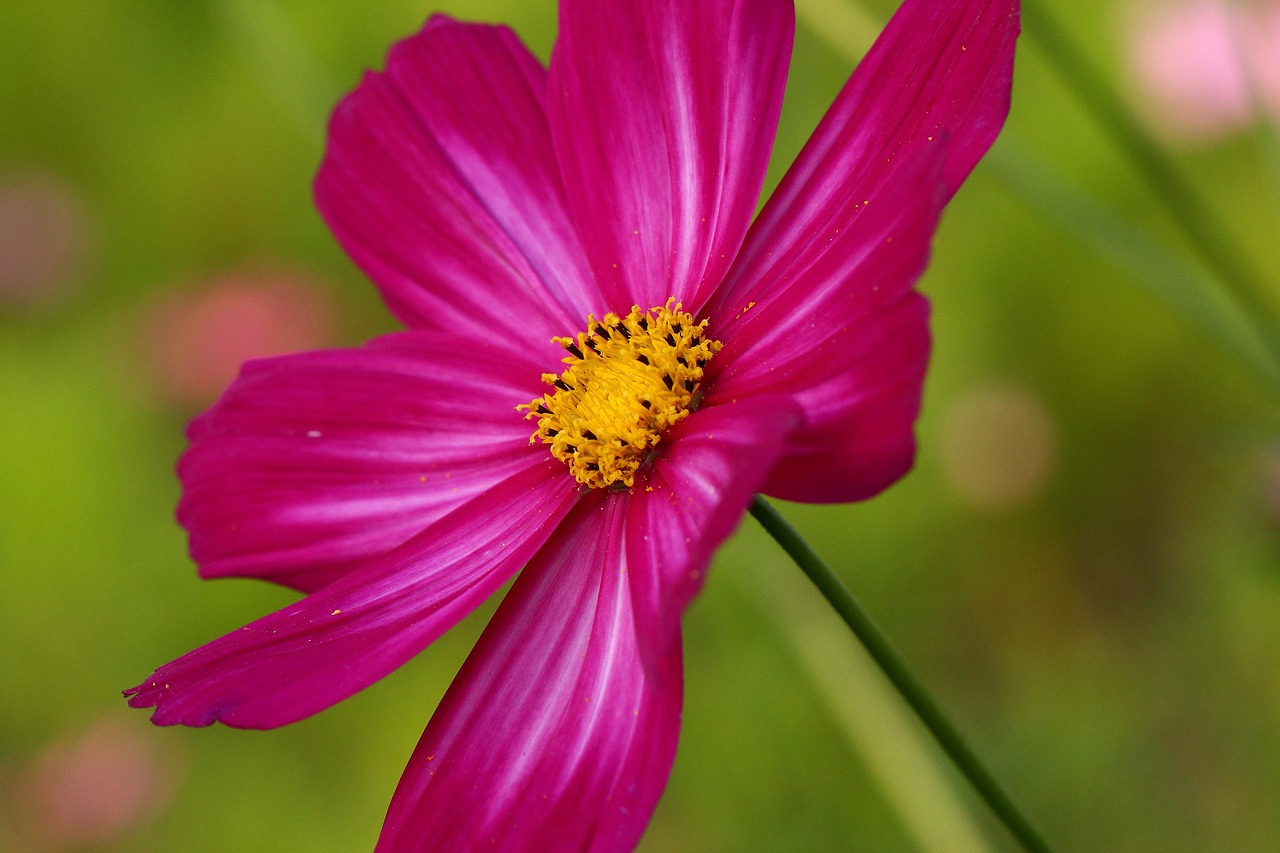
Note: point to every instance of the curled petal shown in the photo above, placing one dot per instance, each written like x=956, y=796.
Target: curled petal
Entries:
x=339, y=640
x=663, y=114
x=310, y=464
x=440, y=182
x=555, y=735
x=859, y=437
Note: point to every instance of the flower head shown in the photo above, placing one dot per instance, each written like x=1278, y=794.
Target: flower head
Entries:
x=605, y=358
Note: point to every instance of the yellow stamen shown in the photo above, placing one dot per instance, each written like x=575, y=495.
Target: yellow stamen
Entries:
x=628, y=380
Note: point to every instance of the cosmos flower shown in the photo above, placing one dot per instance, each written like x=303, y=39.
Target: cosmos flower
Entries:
x=605, y=359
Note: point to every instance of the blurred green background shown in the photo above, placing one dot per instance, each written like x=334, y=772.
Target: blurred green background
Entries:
x=1083, y=565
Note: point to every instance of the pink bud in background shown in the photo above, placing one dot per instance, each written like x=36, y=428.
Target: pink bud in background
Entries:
x=197, y=340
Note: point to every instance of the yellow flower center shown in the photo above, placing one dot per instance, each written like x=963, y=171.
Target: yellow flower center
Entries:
x=628, y=380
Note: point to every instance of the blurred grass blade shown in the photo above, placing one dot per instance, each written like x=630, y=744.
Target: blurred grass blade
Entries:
x=1179, y=284
x=904, y=680
x=874, y=720
x=270, y=43
x=1209, y=237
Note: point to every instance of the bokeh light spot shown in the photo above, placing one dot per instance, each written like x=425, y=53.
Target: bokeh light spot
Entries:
x=998, y=447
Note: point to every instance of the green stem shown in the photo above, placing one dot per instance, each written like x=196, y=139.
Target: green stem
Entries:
x=1206, y=233
x=893, y=666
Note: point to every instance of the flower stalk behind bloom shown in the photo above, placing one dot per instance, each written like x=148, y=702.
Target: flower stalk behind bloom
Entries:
x=499, y=207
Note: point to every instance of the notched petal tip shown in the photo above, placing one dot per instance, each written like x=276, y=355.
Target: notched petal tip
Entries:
x=152, y=693
x=438, y=20
x=335, y=642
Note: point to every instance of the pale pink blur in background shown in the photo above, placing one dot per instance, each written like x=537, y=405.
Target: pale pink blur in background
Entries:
x=1201, y=70
x=1261, y=41
x=92, y=786
x=43, y=240
x=196, y=340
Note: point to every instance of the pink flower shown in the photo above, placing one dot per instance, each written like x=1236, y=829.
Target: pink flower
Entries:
x=498, y=205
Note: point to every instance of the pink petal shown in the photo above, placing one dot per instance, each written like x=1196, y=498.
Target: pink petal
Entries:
x=663, y=115
x=826, y=273
x=440, y=182
x=858, y=437
x=691, y=500
x=335, y=642
x=850, y=346
x=554, y=736
x=313, y=463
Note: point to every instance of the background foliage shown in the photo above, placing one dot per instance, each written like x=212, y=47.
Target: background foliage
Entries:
x=1083, y=565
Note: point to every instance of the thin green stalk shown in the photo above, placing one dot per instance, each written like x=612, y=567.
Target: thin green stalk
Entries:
x=893, y=666
x=872, y=717
x=1208, y=236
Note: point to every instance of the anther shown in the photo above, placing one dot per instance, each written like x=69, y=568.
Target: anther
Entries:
x=627, y=380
